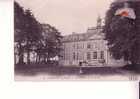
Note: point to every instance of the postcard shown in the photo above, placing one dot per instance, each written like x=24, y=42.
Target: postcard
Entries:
x=88, y=40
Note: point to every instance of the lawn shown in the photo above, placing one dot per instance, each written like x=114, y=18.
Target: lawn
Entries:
x=62, y=70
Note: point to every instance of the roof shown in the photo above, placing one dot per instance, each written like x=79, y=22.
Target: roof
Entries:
x=74, y=37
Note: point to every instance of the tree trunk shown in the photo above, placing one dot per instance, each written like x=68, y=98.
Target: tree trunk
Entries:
x=28, y=53
x=133, y=63
x=48, y=58
x=28, y=57
x=21, y=58
x=36, y=61
x=21, y=54
x=15, y=60
x=44, y=59
x=39, y=57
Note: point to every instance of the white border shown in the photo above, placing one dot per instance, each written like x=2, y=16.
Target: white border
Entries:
x=49, y=90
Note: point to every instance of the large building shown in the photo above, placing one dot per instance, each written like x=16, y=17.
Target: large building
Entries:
x=88, y=48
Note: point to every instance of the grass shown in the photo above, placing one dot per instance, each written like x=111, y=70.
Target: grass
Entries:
x=133, y=68
x=35, y=69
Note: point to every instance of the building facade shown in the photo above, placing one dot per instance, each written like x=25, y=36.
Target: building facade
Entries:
x=88, y=48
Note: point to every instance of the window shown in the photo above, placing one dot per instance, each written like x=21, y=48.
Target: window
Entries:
x=88, y=56
x=66, y=56
x=110, y=54
x=80, y=56
x=80, y=46
x=63, y=57
x=94, y=55
x=102, y=55
x=77, y=46
x=74, y=56
x=95, y=45
x=73, y=46
x=77, y=56
x=88, y=45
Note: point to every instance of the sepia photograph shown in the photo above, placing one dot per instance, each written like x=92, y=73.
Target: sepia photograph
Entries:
x=76, y=40
x=48, y=50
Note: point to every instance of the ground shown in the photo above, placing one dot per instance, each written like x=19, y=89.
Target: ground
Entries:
x=47, y=73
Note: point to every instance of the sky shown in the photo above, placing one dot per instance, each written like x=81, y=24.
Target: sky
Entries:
x=67, y=15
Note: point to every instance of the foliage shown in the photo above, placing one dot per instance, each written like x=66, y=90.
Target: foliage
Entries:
x=31, y=36
x=51, y=41
x=19, y=31
x=123, y=34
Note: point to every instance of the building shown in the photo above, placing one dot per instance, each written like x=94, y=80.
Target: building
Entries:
x=88, y=48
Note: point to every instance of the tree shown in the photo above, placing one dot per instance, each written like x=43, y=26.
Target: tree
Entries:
x=31, y=36
x=123, y=34
x=27, y=32
x=19, y=31
x=51, y=42
x=33, y=32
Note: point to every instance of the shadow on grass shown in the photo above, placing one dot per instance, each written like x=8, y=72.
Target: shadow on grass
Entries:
x=33, y=70
x=132, y=68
